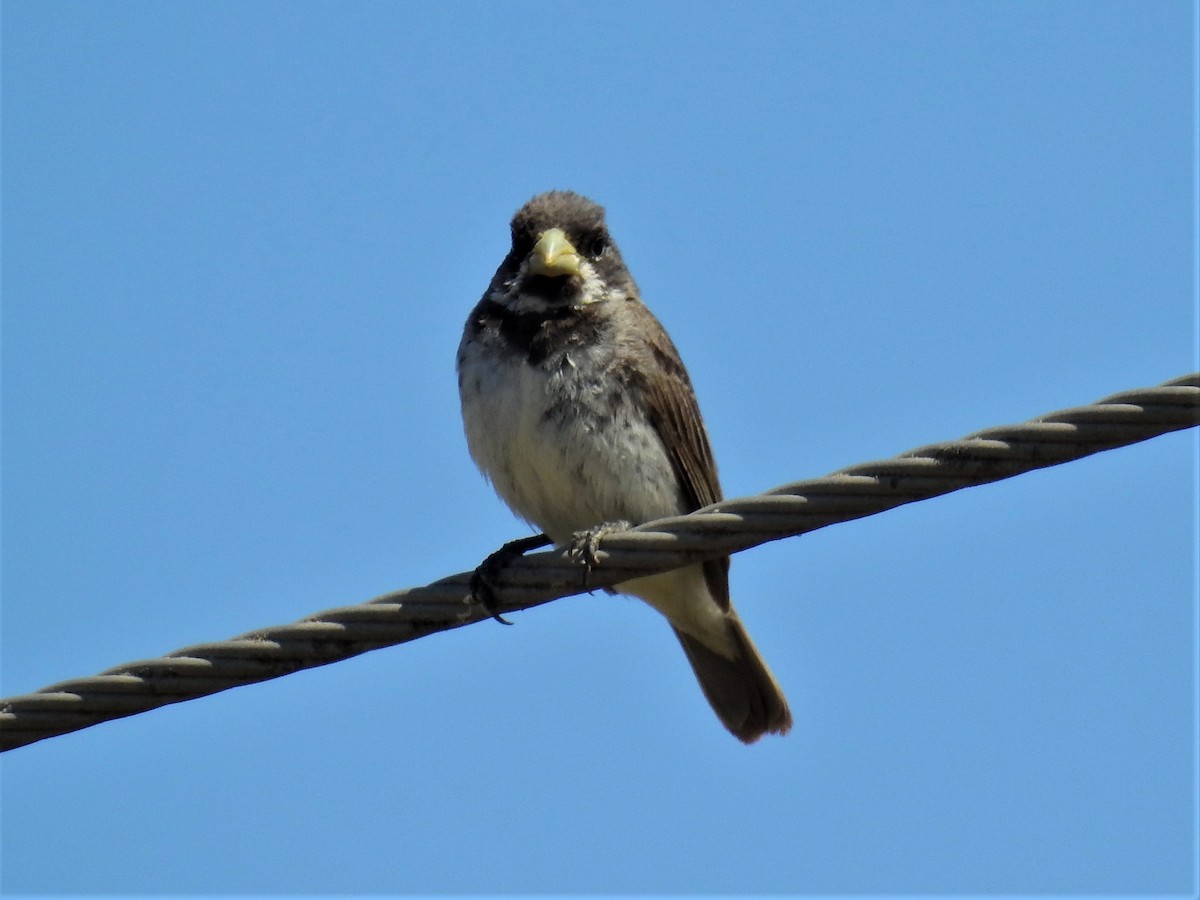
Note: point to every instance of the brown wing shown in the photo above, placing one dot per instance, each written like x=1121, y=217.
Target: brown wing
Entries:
x=673, y=411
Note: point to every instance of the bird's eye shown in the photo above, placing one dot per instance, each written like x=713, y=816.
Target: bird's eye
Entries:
x=594, y=243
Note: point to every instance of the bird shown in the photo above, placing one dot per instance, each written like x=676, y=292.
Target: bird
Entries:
x=577, y=407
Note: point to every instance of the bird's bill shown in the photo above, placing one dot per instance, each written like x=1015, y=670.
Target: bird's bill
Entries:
x=554, y=255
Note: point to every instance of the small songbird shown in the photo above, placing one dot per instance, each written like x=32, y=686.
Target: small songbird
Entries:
x=577, y=407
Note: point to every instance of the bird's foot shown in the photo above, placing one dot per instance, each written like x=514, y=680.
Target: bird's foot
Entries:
x=585, y=545
x=482, y=578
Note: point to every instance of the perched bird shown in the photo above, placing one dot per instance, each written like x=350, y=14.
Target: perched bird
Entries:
x=577, y=407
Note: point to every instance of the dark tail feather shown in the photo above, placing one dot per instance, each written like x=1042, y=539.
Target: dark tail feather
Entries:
x=741, y=691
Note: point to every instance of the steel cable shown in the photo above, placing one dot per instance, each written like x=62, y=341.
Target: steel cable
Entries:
x=723, y=528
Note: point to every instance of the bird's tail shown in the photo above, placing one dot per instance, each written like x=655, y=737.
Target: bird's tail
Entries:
x=741, y=690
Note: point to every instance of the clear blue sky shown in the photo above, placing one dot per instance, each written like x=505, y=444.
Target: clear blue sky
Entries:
x=239, y=243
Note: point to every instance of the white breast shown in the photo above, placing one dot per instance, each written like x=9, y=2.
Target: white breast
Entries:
x=561, y=449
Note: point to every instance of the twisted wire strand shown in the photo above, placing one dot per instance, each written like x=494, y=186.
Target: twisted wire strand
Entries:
x=717, y=530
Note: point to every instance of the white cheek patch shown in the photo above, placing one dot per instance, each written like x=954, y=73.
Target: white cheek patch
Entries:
x=594, y=290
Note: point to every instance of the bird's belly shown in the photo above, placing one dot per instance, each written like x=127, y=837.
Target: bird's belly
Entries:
x=567, y=452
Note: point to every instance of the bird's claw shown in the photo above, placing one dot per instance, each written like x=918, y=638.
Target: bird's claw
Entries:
x=482, y=591
x=584, y=548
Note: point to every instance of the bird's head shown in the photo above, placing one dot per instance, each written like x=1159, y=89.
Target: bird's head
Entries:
x=562, y=256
